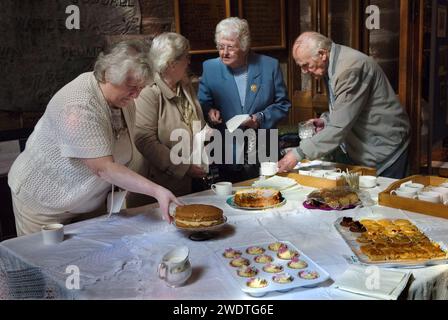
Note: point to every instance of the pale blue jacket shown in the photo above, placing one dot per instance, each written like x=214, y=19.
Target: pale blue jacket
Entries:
x=266, y=93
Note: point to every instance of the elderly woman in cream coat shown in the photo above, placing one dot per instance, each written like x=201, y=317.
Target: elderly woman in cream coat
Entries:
x=167, y=104
x=83, y=145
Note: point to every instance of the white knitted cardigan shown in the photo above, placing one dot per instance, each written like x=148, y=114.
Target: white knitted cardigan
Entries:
x=48, y=175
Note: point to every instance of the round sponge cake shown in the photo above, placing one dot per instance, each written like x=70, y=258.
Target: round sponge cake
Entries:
x=198, y=215
x=257, y=197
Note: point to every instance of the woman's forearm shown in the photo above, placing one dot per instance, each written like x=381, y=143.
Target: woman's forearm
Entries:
x=121, y=176
x=127, y=179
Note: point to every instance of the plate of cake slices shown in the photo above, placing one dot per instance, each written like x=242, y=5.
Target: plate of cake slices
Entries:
x=256, y=199
x=198, y=217
x=268, y=267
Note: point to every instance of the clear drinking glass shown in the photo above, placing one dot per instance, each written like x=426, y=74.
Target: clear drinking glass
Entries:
x=306, y=130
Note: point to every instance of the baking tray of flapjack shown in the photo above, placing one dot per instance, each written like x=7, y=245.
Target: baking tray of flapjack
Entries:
x=390, y=243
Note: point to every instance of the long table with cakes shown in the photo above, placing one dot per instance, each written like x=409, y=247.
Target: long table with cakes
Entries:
x=118, y=257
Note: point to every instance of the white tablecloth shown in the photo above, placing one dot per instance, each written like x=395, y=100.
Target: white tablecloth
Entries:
x=118, y=257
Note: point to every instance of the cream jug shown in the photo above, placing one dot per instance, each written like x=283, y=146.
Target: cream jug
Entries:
x=175, y=267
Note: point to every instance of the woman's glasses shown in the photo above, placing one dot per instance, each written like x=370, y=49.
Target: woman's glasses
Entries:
x=223, y=47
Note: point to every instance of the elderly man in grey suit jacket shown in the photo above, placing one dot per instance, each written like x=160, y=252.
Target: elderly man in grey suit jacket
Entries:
x=366, y=119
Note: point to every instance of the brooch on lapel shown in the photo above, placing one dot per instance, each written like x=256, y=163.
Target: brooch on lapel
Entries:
x=253, y=88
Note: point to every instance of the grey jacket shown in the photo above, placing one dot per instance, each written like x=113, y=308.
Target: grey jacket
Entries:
x=365, y=114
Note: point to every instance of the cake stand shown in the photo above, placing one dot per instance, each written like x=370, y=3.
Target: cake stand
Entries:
x=201, y=233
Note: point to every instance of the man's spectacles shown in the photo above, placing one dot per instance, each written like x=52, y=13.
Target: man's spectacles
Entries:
x=223, y=47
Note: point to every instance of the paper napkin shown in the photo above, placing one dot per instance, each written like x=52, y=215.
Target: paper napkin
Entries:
x=276, y=182
x=198, y=156
x=373, y=281
x=236, y=121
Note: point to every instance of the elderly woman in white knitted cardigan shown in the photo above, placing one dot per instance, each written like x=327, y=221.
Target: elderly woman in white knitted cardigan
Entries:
x=166, y=104
x=83, y=145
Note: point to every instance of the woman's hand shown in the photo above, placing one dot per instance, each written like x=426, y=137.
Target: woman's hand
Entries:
x=215, y=116
x=123, y=177
x=196, y=171
x=165, y=197
x=251, y=122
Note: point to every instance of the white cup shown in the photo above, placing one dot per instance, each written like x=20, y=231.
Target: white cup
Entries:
x=367, y=181
x=222, y=188
x=405, y=193
x=305, y=171
x=53, y=233
x=318, y=173
x=329, y=171
x=413, y=186
x=333, y=175
x=428, y=196
x=268, y=168
x=443, y=192
x=444, y=185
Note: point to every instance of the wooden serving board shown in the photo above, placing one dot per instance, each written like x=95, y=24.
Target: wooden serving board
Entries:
x=317, y=182
x=314, y=182
x=414, y=205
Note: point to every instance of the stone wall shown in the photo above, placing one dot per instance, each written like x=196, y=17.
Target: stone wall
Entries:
x=39, y=55
x=157, y=16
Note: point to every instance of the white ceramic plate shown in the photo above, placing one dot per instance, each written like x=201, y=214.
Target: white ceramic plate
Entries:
x=230, y=201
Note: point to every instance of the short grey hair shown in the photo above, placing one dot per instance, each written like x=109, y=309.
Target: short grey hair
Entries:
x=234, y=27
x=166, y=48
x=313, y=41
x=127, y=57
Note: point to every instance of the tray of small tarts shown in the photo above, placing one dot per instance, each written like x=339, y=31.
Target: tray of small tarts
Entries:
x=390, y=242
x=268, y=267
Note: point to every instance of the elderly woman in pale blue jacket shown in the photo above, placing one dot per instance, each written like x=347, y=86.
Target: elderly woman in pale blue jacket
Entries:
x=242, y=82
